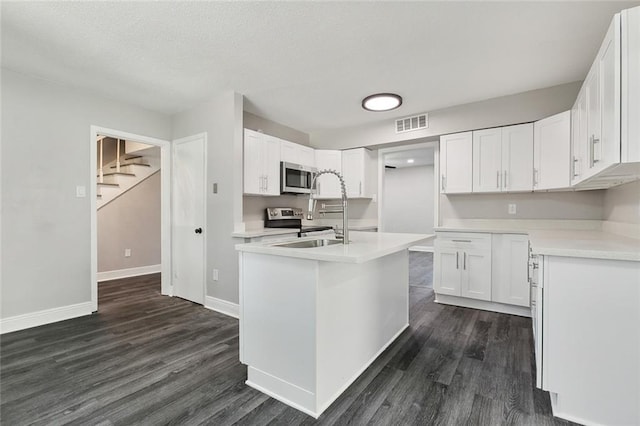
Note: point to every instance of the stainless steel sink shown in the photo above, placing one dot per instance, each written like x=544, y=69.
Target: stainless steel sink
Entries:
x=308, y=243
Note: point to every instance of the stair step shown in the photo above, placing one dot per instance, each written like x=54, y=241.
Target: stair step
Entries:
x=108, y=184
x=132, y=157
x=118, y=174
x=132, y=164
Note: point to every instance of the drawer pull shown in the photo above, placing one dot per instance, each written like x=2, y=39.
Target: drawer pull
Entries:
x=461, y=241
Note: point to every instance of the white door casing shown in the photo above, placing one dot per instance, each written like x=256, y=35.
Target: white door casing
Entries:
x=165, y=206
x=189, y=215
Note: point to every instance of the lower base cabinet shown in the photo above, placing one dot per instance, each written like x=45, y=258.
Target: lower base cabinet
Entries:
x=482, y=270
x=587, y=341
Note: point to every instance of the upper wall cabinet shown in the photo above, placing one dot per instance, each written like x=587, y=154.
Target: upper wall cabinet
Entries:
x=455, y=163
x=261, y=164
x=328, y=186
x=605, y=141
x=295, y=153
x=552, y=152
x=503, y=159
x=630, y=85
x=359, y=172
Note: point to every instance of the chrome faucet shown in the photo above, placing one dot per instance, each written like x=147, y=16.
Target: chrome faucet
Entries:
x=345, y=214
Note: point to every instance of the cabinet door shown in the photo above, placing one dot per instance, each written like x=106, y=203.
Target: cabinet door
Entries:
x=476, y=273
x=579, y=138
x=510, y=262
x=456, y=161
x=630, y=85
x=271, y=165
x=552, y=152
x=353, y=171
x=607, y=152
x=328, y=186
x=307, y=156
x=487, y=164
x=446, y=270
x=289, y=152
x=517, y=157
x=593, y=112
x=253, y=162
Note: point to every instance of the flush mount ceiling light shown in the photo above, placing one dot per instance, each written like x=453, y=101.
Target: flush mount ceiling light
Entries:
x=382, y=102
x=410, y=160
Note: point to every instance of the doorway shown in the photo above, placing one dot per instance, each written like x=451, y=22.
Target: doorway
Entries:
x=165, y=211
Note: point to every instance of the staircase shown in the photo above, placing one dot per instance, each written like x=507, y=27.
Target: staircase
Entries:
x=114, y=181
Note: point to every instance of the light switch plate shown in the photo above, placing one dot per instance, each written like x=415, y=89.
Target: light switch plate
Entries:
x=512, y=209
x=127, y=252
x=81, y=191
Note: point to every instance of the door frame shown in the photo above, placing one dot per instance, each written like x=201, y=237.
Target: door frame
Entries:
x=166, y=286
x=436, y=172
x=174, y=144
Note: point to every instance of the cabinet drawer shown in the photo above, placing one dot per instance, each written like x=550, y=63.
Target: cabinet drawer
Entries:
x=471, y=240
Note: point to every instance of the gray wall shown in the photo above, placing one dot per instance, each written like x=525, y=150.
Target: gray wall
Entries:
x=45, y=155
x=408, y=200
x=519, y=108
x=221, y=119
x=622, y=203
x=131, y=221
x=538, y=205
x=268, y=127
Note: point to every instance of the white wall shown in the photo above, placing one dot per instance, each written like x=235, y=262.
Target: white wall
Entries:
x=221, y=119
x=583, y=205
x=268, y=127
x=131, y=221
x=46, y=234
x=622, y=203
x=502, y=111
x=408, y=200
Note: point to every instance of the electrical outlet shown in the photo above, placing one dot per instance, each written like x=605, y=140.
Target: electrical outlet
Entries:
x=512, y=209
x=127, y=252
x=215, y=275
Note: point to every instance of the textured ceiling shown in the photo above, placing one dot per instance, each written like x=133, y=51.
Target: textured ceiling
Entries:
x=305, y=64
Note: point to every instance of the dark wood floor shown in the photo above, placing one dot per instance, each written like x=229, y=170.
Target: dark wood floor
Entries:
x=149, y=359
x=421, y=269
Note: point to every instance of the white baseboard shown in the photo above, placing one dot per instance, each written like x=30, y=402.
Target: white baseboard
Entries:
x=130, y=272
x=48, y=316
x=222, y=306
x=484, y=305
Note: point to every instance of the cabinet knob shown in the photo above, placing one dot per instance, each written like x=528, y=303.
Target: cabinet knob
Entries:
x=198, y=230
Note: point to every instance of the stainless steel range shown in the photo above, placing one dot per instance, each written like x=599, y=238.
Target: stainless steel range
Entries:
x=291, y=217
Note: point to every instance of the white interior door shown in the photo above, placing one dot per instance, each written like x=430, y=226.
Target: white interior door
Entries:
x=188, y=206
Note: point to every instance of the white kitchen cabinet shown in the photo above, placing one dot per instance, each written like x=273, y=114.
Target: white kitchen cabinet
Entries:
x=328, y=186
x=517, y=158
x=503, y=159
x=552, y=152
x=590, y=315
x=630, y=85
x=295, y=153
x=359, y=172
x=261, y=164
x=487, y=163
x=510, y=283
x=456, y=161
x=578, y=134
x=605, y=150
x=462, y=265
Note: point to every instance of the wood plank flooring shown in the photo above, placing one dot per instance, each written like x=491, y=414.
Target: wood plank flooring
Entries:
x=151, y=360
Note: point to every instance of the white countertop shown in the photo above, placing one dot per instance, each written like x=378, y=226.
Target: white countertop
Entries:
x=364, y=246
x=585, y=243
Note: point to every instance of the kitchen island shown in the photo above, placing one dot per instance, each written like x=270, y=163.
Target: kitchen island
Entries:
x=313, y=319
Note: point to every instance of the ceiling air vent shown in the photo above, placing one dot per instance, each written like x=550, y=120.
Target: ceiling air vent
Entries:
x=409, y=124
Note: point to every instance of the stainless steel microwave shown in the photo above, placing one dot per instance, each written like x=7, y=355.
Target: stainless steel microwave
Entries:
x=295, y=178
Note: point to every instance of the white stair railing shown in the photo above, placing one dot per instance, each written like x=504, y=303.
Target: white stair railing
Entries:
x=100, y=171
x=118, y=157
